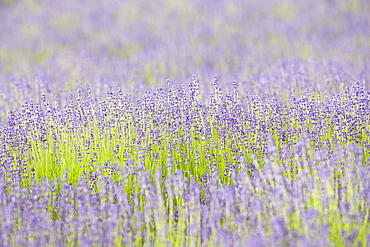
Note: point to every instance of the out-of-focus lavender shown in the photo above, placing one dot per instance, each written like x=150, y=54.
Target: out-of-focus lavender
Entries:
x=317, y=208
x=55, y=46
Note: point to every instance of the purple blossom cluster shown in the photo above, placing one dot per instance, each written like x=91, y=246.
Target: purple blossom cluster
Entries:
x=173, y=127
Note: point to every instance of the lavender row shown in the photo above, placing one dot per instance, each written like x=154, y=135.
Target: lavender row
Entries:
x=175, y=127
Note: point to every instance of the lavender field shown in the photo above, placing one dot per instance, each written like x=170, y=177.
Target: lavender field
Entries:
x=185, y=123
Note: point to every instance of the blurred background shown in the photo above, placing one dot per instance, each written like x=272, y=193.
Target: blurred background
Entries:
x=268, y=46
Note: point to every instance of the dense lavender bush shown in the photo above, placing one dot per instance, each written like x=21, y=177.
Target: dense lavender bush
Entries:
x=99, y=148
x=174, y=128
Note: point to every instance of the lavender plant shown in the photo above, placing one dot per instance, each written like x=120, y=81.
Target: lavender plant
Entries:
x=97, y=148
x=174, y=128
x=273, y=152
